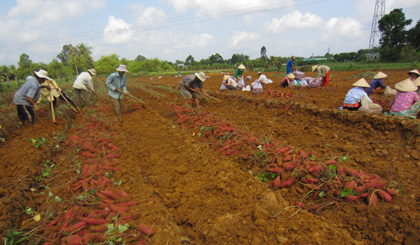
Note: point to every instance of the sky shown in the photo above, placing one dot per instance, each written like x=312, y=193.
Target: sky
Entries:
x=174, y=29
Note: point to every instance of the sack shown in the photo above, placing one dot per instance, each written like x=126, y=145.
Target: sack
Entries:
x=368, y=106
x=390, y=91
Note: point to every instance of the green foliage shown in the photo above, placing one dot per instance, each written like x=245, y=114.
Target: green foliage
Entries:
x=12, y=237
x=37, y=142
x=347, y=191
x=107, y=64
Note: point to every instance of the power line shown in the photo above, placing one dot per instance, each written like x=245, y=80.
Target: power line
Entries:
x=167, y=23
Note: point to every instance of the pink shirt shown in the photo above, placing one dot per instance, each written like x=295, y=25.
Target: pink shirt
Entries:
x=403, y=101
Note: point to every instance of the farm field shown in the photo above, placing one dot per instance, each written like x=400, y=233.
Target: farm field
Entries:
x=283, y=167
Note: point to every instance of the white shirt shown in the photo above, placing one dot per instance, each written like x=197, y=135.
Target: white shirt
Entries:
x=84, y=81
x=355, y=95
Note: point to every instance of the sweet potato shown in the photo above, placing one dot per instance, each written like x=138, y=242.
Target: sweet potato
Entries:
x=86, y=154
x=391, y=192
x=145, y=229
x=372, y=199
x=385, y=196
x=74, y=240
x=122, y=193
x=112, y=155
x=277, y=170
x=351, y=184
x=363, y=195
x=288, y=182
x=290, y=165
x=99, y=228
x=92, y=237
x=276, y=183
x=351, y=198
x=300, y=205
x=359, y=189
x=110, y=194
x=92, y=221
x=74, y=227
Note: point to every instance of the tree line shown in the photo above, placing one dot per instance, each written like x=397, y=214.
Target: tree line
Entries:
x=396, y=44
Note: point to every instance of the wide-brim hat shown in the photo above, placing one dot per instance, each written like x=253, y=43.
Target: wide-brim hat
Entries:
x=406, y=86
x=226, y=77
x=92, y=72
x=122, y=68
x=314, y=68
x=200, y=75
x=414, y=72
x=290, y=76
x=42, y=74
x=417, y=82
x=380, y=75
x=361, y=83
x=259, y=72
x=241, y=67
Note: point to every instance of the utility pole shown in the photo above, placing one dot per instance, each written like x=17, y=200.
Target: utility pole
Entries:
x=378, y=13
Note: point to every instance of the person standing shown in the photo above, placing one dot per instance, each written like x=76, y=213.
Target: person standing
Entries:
x=239, y=79
x=352, y=101
x=192, y=84
x=117, y=87
x=376, y=85
x=81, y=85
x=27, y=96
x=324, y=72
x=290, y=65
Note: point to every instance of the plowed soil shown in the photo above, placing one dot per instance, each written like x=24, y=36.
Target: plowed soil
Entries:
x=163, y=165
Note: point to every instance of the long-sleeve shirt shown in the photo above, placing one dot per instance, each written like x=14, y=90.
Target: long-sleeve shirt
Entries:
x=191, y=82
x=323, y=70
x=403, y=101
x=45, y=93
x=230, y=82
x=289, y=67
x=238, y=73
x=30, y=88
x=355, y=95
x=374, y=84
x=84, y=81
x=115, y=81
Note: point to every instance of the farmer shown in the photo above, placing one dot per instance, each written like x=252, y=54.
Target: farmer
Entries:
x=262, y=78
x=192, y=84
x=290, y=65
x=287, y=80
x=376, y=85
x=406, y=102
x=354, y=95
x=324, y=72
x=27, y=96
x=228, y=83
x=413, y=75
x=238, y=77
x=81, y=85
x=257, y=87
x=116, y=84
x=55, y=92
x=417, y=83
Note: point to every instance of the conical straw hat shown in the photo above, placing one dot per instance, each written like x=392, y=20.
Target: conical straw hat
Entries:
x=406, y=86
x=241, y=67
x=291, y=76
x=414, y=71
x=417, y=82
x=380, y=75
x=314, y=68
x=361, y=83
x=225, y=77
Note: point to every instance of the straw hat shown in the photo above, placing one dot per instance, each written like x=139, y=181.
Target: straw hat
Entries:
x=200, y=75
x=380, y=75
x=92, y=72
x=241, y=67
x=226, y=77
x=361, y=83
x=290, y=76
x=42, y=74
x=417, y=82
x=414, y=71
x=406, y=86
x=259, y=72
x=314, y=68
x=122, y=68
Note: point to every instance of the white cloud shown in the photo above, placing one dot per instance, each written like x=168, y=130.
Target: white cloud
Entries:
x=117, y=31
x=342, y=28
x=295, y=20
x=240, y=38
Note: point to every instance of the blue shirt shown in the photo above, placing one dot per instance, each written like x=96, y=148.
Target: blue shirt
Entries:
x=355, y=95
x=374, y=84
x=30, y=88
x=114, y=81
x=289, y=66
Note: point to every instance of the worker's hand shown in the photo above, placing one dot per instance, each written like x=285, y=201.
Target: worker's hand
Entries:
x=36, y=107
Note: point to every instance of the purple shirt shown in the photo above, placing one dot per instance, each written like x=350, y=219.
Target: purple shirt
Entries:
x=374, y=84
x=403, y=101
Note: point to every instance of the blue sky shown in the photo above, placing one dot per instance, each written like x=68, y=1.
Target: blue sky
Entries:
x=174, y=29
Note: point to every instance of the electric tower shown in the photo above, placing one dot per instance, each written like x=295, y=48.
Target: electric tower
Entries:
x=377, y=15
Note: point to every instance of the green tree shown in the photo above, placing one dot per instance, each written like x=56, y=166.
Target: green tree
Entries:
x=140, y=58
x=188, y=61
x=24, y=66
x=215, y=59
x=64, y=55
x=107, y=64
x=394, y=35
x=239, y=58
x=413, y=36
x=84, y=57
x=263, y=53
